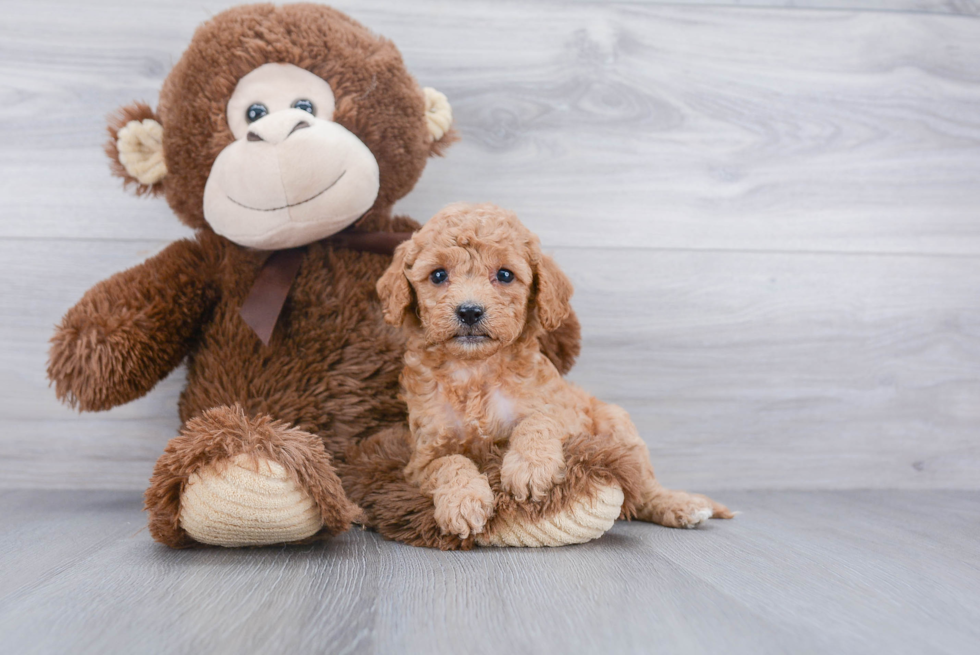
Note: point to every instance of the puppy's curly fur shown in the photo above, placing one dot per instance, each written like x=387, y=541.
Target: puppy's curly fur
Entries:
x=474, y=292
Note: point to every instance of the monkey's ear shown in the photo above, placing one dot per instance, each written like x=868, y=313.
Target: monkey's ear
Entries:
x=393, y=288
x=135, y=147
x=439, y=120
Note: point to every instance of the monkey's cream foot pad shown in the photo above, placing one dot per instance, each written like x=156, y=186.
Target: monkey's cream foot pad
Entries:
x=247, y=502
x=585, y=520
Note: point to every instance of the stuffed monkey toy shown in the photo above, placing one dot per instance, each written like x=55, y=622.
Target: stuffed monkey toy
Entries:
x=284, y=136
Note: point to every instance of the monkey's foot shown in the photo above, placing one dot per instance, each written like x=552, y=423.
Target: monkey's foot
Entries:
x=234, y=480
x=247, y=502
x=582, y=520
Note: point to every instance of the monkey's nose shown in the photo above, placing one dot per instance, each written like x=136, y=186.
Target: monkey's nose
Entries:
x=469, y=314
x=276, y=128
x=299, y=126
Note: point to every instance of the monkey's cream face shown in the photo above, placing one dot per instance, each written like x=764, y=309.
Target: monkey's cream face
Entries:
x=292, y=176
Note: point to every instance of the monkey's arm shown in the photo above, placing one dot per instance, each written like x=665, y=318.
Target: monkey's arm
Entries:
x=129, y=331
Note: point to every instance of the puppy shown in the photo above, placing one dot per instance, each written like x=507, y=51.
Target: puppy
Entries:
x=474, y=293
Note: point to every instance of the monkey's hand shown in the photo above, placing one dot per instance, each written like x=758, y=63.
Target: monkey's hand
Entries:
x=129, y=331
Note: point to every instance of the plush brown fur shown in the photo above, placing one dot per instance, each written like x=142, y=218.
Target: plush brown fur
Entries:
x=376, y=98
x=473, y=388
x=128, y=332
x=396, y=508
x=220, y=434
x=399, y=512
x=331, y=368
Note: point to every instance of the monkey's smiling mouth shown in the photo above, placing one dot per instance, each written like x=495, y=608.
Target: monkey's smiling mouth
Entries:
x=295, y=204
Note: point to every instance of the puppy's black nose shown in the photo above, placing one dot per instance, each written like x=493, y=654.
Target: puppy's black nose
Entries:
x=469, y=314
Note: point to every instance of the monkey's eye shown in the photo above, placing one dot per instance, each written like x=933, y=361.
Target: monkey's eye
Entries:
x=505, y=276
x=255, y=112
x=438, y=276
x=303, y=104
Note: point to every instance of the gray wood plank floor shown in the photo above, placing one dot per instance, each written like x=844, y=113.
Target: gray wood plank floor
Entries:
x=795, y=572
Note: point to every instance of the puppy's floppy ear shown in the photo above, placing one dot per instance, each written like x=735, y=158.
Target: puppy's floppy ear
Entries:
x=553, y=291
x=135, y=147
x=393, y=288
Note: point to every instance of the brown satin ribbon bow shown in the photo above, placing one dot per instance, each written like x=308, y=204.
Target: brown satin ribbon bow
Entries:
x=264, y=302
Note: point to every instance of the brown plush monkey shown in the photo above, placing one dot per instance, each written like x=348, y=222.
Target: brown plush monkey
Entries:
x=284, y=136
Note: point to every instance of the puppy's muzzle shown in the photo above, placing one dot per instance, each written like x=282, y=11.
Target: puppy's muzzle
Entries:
x=469, y=314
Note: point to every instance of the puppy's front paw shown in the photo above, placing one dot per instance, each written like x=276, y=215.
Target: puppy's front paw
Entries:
x=532, y=473
x=464, y=510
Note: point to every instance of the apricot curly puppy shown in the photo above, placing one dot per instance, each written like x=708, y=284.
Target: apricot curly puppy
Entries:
x=473, y=290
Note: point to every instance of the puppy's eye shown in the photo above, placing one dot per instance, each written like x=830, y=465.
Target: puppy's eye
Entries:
x=304, y=104
x=438, y=276
x=255, y=112
x=505, y=276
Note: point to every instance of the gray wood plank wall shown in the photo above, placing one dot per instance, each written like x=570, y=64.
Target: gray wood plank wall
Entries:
x=771, y=211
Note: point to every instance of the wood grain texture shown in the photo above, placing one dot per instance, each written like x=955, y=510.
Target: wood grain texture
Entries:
x=956, y=7
x=800, y=572
x=741, y=370
x=769, y=209
x=615, y=125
